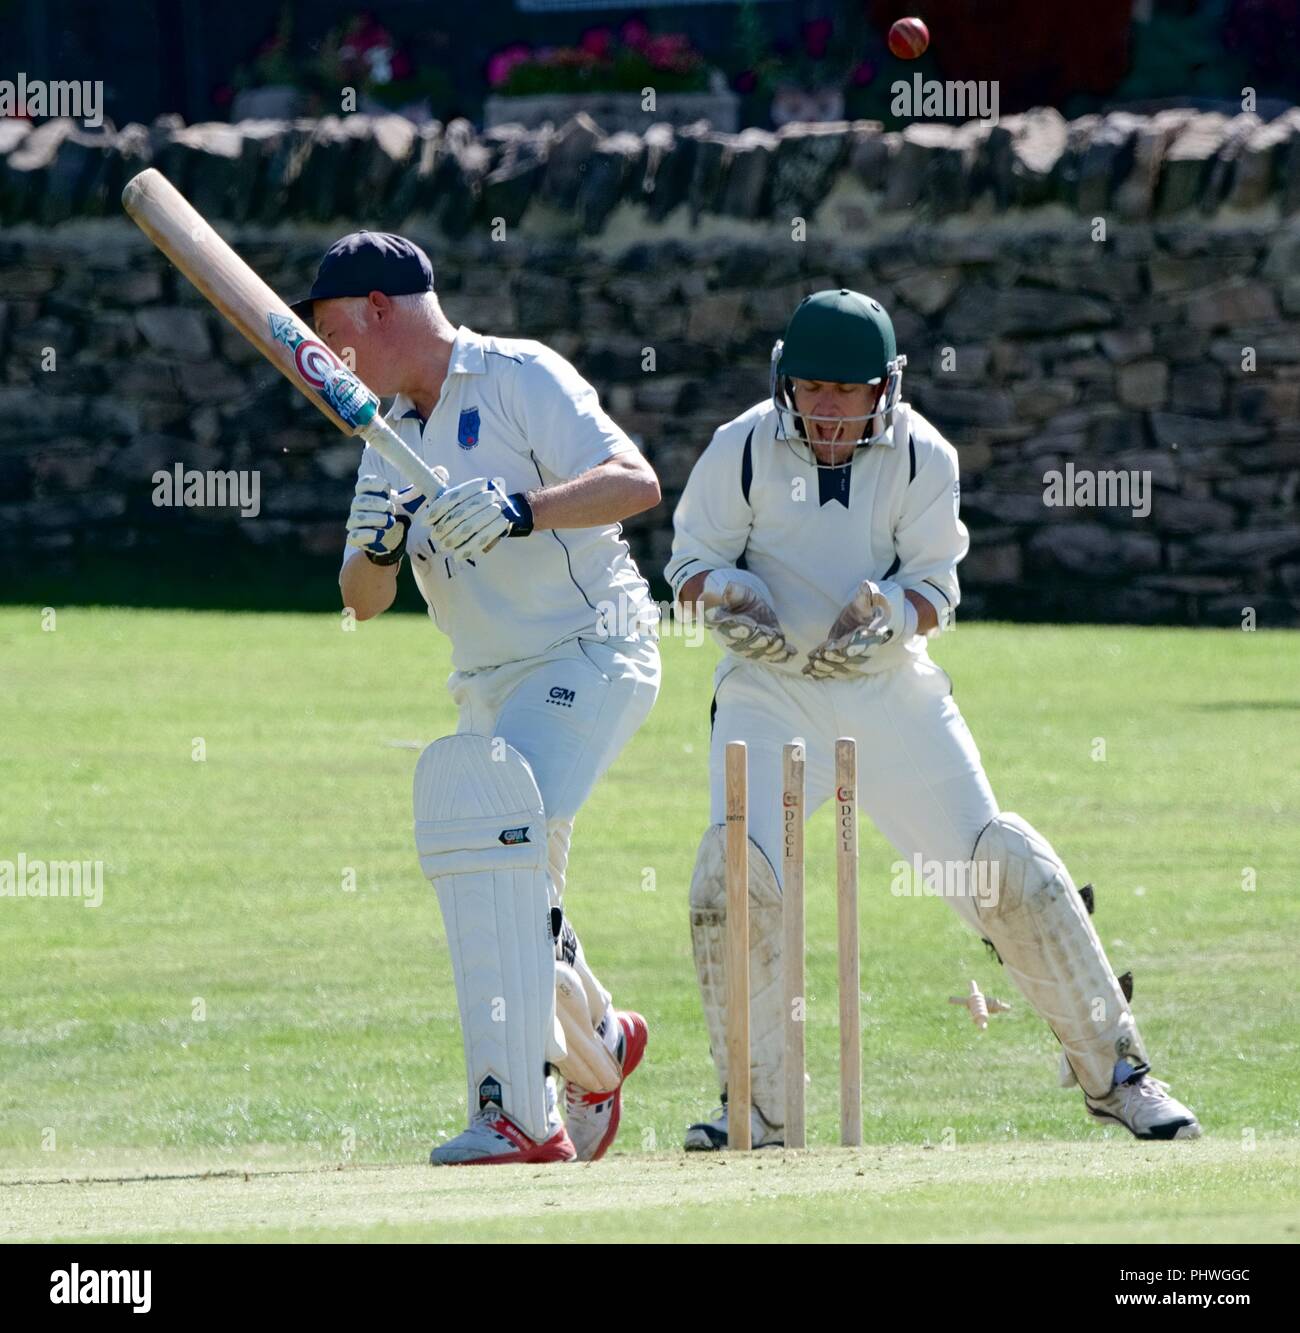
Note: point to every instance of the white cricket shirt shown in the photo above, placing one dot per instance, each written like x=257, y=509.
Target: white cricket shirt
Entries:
x=513, y=409
x=812, y=534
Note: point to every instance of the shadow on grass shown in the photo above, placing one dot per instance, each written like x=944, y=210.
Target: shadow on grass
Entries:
x=1246, y=706
x=190, y=578
x=220, y=579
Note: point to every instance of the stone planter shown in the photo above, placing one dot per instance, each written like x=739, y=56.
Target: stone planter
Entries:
x=792, y=105
x=615, y=111
x=273, y=102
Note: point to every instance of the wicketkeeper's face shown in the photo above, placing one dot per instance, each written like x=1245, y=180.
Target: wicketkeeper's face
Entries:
x=834, y=415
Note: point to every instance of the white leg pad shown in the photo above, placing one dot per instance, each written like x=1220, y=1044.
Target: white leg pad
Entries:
x=766, y=985
x=589, y=1064
x=480, y=831
x=1040, y=928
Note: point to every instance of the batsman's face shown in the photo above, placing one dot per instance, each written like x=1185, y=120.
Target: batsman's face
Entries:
x=359, y=331
x=835, y=415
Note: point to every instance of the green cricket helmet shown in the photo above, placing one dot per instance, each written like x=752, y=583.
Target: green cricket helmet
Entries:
x=840, y=337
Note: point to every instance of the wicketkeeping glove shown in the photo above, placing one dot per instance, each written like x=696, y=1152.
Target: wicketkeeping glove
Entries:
x=738, y=611
x=878, y=613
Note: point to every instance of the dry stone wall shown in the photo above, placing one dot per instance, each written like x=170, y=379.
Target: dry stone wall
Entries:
x=1115, y=295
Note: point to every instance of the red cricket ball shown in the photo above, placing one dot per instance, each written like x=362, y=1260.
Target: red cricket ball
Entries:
x=908, y=38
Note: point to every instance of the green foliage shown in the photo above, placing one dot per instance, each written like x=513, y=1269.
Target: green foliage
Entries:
x=1181, y=55
x=274, y=63
x=572, y=70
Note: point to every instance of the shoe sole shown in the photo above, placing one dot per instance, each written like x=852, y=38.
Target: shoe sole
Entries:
x=558, y=1148
x=1176, y=1129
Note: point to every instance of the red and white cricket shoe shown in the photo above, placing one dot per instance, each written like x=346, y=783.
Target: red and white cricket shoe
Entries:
x=493, y=1139
x=593, y=1117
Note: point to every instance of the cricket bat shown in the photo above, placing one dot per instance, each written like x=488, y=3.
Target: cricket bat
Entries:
x=168, y=219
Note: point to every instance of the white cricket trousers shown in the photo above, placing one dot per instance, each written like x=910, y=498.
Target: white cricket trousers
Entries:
x=920, y=779
x=569, y=713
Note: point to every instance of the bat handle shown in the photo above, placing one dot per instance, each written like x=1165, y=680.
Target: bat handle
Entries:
x=394, y=450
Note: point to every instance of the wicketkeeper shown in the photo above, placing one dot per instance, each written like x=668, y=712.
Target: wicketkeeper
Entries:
x=554, y=644
x=820, y=533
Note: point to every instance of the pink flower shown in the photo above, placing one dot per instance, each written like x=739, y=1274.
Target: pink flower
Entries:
x=654, y=50
x=816, y=34
x=597, y=41
x=402, y=66
x=503, y=62
x=367, y=33
x=746, y=82
x=634, y=33
x=863, y=74
x=498, y=70
x=671, y=51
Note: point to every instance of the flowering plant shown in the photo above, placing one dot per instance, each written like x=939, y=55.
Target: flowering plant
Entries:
x=828, y=54
x=360, y=53
x=272, y=62
x=633, y=59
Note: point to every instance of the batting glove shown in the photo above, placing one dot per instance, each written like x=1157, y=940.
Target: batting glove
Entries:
x=379, y=519
x=468, y=520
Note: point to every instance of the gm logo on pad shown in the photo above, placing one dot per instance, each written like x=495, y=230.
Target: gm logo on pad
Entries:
x=512, y=837
x=561, y=697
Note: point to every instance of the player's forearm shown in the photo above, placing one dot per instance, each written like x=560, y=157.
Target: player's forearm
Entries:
x=613, y=491
x=693, y=589
x=369, y=589
x=927, y=618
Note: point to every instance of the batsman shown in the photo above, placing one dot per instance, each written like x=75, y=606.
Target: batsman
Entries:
x=820, y=534
x=518, y=559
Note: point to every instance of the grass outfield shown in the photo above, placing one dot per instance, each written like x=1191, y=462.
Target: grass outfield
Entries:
x=235, y=1006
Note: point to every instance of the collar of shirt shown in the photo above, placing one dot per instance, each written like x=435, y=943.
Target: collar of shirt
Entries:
x=467, y=358
x=898, y=424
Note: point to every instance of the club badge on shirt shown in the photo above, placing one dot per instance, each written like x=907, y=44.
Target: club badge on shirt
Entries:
x=467, y=432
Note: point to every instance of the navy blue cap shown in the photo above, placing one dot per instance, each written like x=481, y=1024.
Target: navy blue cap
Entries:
x=365, y=262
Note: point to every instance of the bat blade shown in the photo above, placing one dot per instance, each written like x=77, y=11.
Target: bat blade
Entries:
x=181, y=232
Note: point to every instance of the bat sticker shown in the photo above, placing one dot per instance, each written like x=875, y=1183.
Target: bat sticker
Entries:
x=322, y=371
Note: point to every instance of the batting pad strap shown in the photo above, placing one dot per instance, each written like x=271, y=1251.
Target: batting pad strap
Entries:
x=513, y=840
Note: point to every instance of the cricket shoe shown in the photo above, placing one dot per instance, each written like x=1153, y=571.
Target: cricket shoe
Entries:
x=1145, y=1108
x=711, y=1135
x=592, y=1117
x=493, y=1139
